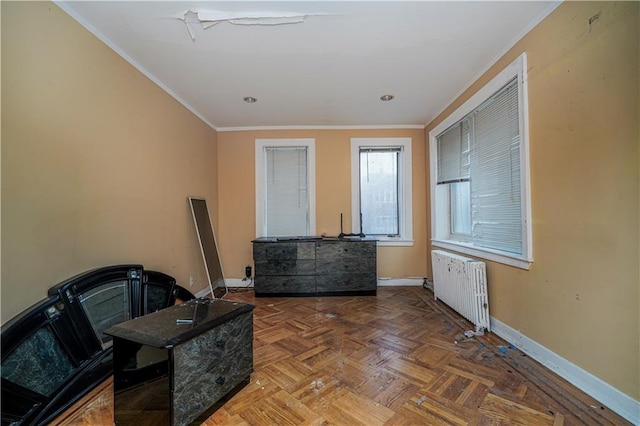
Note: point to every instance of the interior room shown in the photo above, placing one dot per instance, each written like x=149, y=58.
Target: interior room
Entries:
x=112, y=118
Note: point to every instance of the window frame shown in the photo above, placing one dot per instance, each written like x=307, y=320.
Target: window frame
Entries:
x=260, y=179
x=405, y=202
x=440, y=214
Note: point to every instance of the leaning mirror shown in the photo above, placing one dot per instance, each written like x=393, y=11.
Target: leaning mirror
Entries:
x=208, y=247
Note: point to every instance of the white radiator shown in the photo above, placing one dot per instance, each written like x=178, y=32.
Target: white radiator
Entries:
x=461, y=283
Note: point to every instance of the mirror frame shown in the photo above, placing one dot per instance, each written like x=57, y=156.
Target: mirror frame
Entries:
x=208, y=243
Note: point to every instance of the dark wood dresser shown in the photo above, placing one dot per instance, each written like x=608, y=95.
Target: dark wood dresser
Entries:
x=308, y=266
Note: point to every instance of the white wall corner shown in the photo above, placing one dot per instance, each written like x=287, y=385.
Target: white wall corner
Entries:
x=614, y=399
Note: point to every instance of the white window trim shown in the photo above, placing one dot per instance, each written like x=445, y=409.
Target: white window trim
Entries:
x=406, y=219
x=439, y=230
x=261, y=144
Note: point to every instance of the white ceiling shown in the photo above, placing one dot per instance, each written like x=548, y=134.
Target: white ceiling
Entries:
x=329, y=70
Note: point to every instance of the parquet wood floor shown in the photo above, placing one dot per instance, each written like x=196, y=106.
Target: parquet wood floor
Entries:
x=399, y=358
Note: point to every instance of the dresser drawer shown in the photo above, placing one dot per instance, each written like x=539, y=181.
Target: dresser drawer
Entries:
x=345, y=250
x=279, y=251
x=285, y=284
x=332, y=283
x=345, y=265
x=285, y=267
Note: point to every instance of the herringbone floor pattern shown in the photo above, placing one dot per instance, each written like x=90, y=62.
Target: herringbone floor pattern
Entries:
x=399, y=358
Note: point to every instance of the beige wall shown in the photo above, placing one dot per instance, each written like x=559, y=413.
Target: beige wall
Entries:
x=97, y=161
x=236, y=193
x=581, y=297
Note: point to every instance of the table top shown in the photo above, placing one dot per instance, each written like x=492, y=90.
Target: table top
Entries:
x=179, y=323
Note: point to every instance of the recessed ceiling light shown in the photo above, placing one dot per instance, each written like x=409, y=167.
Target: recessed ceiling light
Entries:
x=386, y=98
x=250, y=99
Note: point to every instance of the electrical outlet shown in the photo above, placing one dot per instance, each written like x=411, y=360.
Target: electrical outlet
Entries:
x=247, y=271
x=191, y=281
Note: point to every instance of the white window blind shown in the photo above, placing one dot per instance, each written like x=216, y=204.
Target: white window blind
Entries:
x=453, y=153
x=495, y=184
x=483, y=149
x=286, y=191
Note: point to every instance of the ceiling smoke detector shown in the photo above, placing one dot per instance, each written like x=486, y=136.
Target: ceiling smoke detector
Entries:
x=385, y=98
x=250, y=99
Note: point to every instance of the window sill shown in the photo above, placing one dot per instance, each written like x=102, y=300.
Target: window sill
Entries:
x=482, y=253
x=393, y=242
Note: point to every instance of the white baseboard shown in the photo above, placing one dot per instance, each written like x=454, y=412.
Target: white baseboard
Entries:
x=238, y=282
x=230, y=282
x=397, y=282
x=614, y=399
x=203, y=293
x=382, y=282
